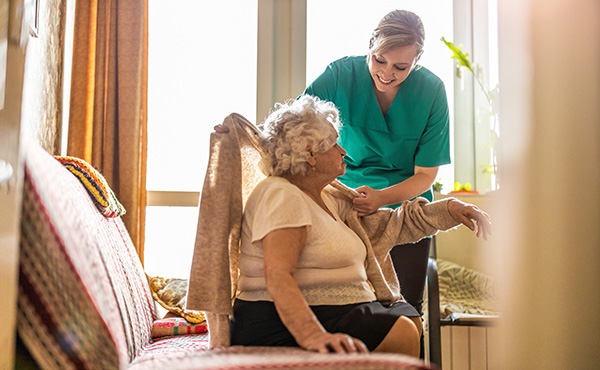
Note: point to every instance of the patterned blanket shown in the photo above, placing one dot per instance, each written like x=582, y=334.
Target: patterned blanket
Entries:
x=465, y=291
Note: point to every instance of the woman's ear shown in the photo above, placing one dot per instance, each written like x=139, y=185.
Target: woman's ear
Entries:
x=311, y=160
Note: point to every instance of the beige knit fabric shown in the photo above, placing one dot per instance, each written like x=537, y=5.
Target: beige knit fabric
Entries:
x=233, y=171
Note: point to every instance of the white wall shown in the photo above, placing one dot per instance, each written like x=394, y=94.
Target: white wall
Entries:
x=547, y=243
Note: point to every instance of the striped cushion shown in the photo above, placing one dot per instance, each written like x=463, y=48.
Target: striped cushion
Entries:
x=67, y=313
x=177, y=326
x=178, y=353
x=95, y=184
x=84, y=296
x=129, y=284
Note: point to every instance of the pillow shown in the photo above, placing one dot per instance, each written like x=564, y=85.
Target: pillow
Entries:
x=463, y=290
x=176, y=326
x=171, y=294
x=96, y=185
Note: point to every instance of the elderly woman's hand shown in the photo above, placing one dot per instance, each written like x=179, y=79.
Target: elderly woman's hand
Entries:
x=326, y=342
x=466, y=213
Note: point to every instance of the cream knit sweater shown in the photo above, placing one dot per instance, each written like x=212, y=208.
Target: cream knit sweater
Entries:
x=232, y=173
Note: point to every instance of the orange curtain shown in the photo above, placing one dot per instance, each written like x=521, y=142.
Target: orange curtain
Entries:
x=107, y=122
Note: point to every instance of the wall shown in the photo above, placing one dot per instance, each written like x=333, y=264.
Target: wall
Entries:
x=547, y=243
x=465, y=347
x=461, y=245
x=32, y=109
x=42, y=90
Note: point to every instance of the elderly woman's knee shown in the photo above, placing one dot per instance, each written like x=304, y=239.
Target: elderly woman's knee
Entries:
x=408, y=326
x=418, y=323
x=403, y=337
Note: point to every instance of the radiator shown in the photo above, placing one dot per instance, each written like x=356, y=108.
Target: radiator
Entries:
x=470, y=348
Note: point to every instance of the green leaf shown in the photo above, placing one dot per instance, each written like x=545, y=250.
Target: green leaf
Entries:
x=488, y=169
x=459, y=55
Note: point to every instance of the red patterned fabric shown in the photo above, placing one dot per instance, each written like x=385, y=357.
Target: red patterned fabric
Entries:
x=84, y=296
x=67, y=313
x=171, y=356
x=177, y=326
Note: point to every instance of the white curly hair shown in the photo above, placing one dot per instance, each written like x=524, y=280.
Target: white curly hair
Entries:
x=293, y=131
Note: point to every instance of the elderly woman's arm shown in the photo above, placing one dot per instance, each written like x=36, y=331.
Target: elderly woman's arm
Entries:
x=471, y=216
x=282, y=248
x=419, y=218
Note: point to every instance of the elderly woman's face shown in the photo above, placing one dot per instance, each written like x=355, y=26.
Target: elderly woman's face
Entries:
x=331, y=162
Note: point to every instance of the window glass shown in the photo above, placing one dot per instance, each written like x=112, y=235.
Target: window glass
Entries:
x=338, y=28
x=170, y=235
x=201, y=68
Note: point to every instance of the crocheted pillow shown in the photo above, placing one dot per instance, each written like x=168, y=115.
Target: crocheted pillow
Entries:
x=95, y=184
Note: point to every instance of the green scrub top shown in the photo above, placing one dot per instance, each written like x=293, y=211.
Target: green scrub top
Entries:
x=383, y=150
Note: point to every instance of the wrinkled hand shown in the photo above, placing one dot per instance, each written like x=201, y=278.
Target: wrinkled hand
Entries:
x=370, y=202
x=472, y=217
x=334, y=342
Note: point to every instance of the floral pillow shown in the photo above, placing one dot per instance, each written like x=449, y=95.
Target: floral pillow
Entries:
x=171, y=294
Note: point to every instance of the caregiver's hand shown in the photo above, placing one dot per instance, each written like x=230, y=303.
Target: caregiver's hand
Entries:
x=370, y=201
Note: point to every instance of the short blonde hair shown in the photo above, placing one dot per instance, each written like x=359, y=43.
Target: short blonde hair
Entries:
x=396, y=29
x=293, y=131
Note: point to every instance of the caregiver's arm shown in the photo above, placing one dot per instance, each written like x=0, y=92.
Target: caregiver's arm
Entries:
x=414, y=186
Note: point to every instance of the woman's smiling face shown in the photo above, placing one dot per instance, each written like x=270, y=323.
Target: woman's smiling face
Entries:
x=388, y=70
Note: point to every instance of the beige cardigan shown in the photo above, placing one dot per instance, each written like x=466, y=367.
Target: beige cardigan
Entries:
x=232, y=173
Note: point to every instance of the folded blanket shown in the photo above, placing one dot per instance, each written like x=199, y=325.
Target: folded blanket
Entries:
x=465, y=293
x=96, y=186
x=463, y=290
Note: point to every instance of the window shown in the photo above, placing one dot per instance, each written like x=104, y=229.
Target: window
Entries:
x=348, y=33
x=476, y=124
x=202, y=67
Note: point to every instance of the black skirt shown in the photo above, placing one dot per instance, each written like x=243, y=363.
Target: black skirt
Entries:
x=258, y=324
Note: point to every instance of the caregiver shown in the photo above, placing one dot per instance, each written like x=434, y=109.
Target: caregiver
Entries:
x=395, y=129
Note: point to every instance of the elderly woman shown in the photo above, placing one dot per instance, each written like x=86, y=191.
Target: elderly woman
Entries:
x=302, y=269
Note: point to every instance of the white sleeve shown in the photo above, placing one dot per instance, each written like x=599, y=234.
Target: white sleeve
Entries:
x=279, y=208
